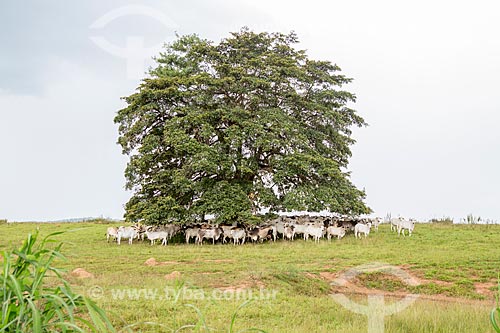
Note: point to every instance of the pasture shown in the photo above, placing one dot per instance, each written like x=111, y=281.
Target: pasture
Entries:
x=289, y=282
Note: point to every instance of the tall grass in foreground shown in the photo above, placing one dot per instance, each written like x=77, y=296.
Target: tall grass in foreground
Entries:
x=28, y=305
x=495, y=313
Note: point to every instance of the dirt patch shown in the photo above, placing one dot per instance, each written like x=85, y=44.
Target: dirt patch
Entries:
x=356, y=286
x=243, y=286
x=311, y=275
x=82, y=274
x=250, y=283
x=172, y=276
x=361, y=291
x=484, y=288
x=353, y=288
x=405, y=266
x=153, y=262
x=437, y=282
x=328, y=276
x=218, y=260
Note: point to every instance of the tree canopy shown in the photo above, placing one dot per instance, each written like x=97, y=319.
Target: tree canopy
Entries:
x=234, y=127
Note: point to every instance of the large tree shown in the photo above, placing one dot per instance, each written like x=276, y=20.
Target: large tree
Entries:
x=233, y=127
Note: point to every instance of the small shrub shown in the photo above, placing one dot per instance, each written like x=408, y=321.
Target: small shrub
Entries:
x=442, y=220
x=28, y=305
x=471, y=219
x=3, y=221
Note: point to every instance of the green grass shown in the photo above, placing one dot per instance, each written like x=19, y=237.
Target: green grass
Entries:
x=451, y=259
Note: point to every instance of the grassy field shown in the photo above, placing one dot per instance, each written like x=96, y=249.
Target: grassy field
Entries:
x=290, y=282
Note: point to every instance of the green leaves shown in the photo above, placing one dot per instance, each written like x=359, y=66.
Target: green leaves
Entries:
x=495, y=312
x=232, y=127
x=30, y=306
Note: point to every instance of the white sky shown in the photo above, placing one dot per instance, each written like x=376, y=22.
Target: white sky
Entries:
x=427, y=78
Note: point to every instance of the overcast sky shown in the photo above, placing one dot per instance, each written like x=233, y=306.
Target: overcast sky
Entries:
x=426, y=74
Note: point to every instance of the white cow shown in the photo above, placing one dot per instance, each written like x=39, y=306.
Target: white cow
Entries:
x=126, y=232
x=226, y=232
x=361, y=228
x=376, y=221
x=259, y=233
x=408, y=225
x=213, y=233
x=112, y=232
x=300, y=229
x=278, y=228
x=315, y=231
x=335, y=231
x=171, y=229
x=395, y=223
x=141, y=229
x=238, y=234
x=154, y=235
x=288, y=232
x=191, y=233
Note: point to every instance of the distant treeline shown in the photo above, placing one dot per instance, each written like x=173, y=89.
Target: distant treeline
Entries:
x=71, y=220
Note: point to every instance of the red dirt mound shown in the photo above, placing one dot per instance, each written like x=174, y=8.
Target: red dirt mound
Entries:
x=81, y=273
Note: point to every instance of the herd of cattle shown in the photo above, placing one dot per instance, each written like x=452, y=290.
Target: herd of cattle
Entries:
x=284, y=227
